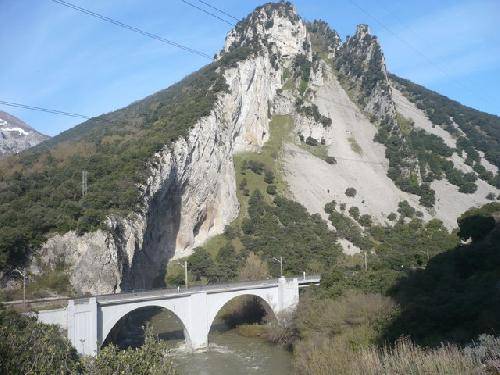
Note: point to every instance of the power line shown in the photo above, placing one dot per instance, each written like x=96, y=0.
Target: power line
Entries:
x=207, y=12
x=218, y=10
x=55, y=111
x=40, y=109
x=232, y=23
x=131, y=28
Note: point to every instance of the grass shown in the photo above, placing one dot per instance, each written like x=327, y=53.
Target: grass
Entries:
x=355, y=146
x=252, y=330
x=303, y=86
x=405, y=124
x=270, y=155
x=324, y=356
x=343, y=336
x=289, y=84
x=320, y=151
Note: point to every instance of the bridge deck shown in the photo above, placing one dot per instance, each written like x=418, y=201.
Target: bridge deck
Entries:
x=142, y=295
x=211, y=288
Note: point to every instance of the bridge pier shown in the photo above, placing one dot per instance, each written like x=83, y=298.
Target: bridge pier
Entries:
x=197, y=331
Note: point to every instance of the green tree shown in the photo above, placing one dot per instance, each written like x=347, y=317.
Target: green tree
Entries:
x=227, y=262
x=350, y=192
x=354, y=212
x=268, y=176
x=30, y=347
x=152, y=358
x=201, y=264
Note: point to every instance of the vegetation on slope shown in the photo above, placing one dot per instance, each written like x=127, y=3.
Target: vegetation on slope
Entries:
x=40, y=188
x=456, y=297
x=367, y=321
x=391, y=250
x=30, y=347
x=482, y=130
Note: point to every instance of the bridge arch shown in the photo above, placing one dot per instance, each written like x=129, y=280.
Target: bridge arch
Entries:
x=269, y=297
x=110, y=315
x=129, y=329
x=246, y=299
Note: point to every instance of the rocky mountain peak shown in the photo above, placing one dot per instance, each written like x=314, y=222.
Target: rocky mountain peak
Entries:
x=16, y=135
x=362, y=30
x=274, y=26
x=323, y=38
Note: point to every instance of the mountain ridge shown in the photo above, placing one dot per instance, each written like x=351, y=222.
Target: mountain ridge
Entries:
x=16, y=135
x=161, y=174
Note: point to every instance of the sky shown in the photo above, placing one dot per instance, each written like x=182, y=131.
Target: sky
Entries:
x=58, y=58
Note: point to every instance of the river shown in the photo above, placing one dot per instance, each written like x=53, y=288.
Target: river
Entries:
x=232, y=354
x=229, y=353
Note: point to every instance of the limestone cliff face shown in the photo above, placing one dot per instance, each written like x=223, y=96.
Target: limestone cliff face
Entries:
x=190, y=194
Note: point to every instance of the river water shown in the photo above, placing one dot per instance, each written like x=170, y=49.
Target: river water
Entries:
x=228, y=353
x=232, y=354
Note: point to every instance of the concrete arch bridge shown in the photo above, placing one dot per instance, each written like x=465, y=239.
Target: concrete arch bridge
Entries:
x=88, y=321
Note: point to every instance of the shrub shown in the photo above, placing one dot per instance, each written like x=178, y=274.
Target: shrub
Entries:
x=311, y=141
x=326, y=121
x=330, y=207
x=350, y=192
x=392, y=216
x=365, y=220
x=30, y=347
x=490, y=196
x=354, y=211
x=256, y=167
x=268, y=177
x=151, y=358
x=253, y=268
x=331, y=160
x=271, y=189
x=325, y=356
x=405, y=210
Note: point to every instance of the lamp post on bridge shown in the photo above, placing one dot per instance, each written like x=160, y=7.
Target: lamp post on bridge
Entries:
x=280, y=261
x=185, y=271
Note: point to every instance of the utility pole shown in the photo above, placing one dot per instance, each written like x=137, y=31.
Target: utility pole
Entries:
x=84, y=183
x=23, y=274
x=280, y=261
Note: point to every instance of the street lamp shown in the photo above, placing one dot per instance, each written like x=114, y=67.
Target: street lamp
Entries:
x=185, y=271
x=23, y=275
x=280, y=261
